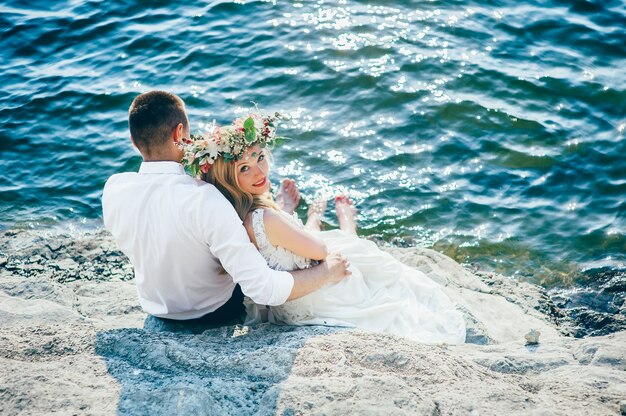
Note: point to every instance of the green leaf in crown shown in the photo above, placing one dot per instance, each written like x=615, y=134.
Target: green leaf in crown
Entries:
x=278, y=140
x=250, y=130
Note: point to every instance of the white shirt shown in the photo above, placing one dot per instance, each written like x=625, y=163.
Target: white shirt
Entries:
x=176, y=230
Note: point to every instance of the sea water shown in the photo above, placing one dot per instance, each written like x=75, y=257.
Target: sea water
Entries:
x=492, y=131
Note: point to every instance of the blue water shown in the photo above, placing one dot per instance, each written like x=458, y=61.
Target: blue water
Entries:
x=492, y=131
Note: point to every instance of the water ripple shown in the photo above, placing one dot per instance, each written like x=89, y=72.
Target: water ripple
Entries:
x=493, y=132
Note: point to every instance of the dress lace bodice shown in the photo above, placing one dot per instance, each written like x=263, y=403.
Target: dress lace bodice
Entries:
x=277, y=258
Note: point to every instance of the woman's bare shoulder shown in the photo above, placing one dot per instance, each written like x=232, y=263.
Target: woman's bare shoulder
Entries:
x=273, y=219
x=273, y=222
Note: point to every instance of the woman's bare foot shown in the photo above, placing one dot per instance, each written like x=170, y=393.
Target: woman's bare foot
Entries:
x=288, y=196
x=346, y=213
x=315, y=214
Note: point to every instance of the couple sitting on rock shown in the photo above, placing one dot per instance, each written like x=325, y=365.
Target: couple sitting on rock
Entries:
x=217, y=248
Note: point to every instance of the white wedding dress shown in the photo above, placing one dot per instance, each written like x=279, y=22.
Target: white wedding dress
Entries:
x=381, y=295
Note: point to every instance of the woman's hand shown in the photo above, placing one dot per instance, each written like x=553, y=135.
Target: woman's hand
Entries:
x=337, y=267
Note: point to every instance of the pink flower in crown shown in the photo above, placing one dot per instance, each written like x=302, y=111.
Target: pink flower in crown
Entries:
x=205, y=168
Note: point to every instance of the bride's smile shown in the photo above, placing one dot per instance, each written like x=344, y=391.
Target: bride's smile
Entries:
x=260, y=183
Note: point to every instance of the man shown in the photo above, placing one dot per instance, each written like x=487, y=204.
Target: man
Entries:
x=179, y=231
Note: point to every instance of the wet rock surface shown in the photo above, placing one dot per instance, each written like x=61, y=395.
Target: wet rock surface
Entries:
x=597, y=306
x=63, y=257
x=73, y=341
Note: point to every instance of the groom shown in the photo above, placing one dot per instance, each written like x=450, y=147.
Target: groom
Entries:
x=178, y=232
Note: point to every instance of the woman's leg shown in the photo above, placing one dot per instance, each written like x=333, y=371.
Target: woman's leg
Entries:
x=315, y=214
x=346, y=213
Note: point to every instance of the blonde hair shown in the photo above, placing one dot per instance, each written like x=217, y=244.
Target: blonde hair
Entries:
x=223, y=175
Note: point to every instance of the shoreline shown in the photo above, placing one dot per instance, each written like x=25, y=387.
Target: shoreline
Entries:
x=73, y=339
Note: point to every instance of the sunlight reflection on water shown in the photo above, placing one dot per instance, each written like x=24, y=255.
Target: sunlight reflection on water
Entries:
x=485, y=131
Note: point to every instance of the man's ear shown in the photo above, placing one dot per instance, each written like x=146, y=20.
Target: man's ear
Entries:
x=133, y=142
x=178, y=133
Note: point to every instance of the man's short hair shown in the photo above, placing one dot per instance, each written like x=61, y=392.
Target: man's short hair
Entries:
x=153, y=116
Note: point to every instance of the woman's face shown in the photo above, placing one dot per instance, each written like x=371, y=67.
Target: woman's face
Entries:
x=253, y=170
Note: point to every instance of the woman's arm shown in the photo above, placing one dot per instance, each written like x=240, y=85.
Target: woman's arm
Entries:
x=283, y=233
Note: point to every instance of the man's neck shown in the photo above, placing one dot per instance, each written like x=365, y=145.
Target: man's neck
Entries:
x=160, y=159
x=162, y=155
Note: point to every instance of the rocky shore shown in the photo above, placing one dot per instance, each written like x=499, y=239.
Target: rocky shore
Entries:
x=73, y=340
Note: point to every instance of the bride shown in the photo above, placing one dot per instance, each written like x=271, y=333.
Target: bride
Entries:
x=381, y=295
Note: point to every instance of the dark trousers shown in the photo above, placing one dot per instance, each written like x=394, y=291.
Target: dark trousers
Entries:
x=231, y=313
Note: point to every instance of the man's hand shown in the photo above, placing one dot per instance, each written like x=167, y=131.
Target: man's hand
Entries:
x=333, y=269
x=337, y=267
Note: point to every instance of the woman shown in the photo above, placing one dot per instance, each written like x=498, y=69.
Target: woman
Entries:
x=381, y=295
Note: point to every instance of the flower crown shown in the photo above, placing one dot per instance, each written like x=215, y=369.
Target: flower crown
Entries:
x=229, y=142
